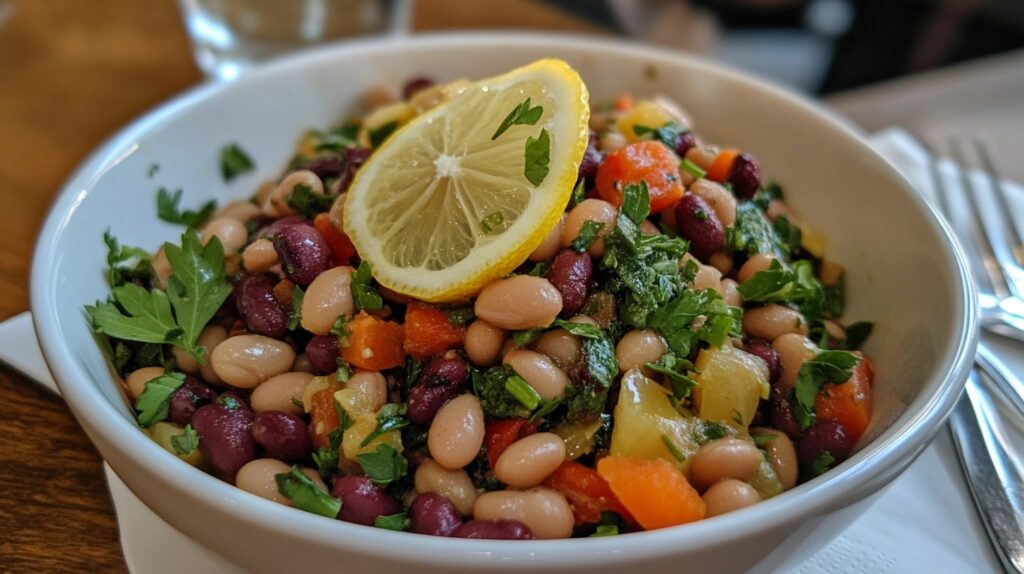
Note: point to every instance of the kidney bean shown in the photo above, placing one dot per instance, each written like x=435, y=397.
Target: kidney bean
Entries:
x=225, y=435
x=417, y=84
x=684, y=142
x=441, y=379
x=282, y=435
x=824, y=436
x=322, y=352
x=187, y=398
x=763, y=349
x=356, y=157
x=257, y=306
x=303, y=251
x=431, y=513
x=745, y=176
x=591, y=159
x=276, y=226
x=362, y=501
x=699, y=223
x=780, y=413
x=327, y=166
x=494, y=530
x=570, y=273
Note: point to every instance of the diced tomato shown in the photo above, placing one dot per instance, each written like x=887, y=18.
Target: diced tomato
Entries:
x=429, y=332
x=648, y=161
x=323, y=417
x=339, y=243
x=373, y=343
x=586, y=491
x=849, y=403
x=499, y=434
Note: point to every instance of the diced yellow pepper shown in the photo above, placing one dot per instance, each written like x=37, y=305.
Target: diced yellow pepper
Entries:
x=646, y=423
x=647, y=115
x=730, y=384
x=579, y=438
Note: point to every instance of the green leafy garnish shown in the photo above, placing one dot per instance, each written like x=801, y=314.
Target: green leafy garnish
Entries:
x=197, y=288
x=126, y=264
x=675, y=320
x=154, y=402
x=187, y=442
x=605, y=530
x=523, y=114
x=490, y=223
x=523, y=392
x=384, y=465
x=399, y=522
x=579, y=193
x=339, y=328
x=380, y=133
x=521, y=339
x=857, y=333
x=789, y=234
x=583, y=330
x=825, y=367
x=752, y=233
x=588, y=235
x=707, y=431
x=295, y=315
x=343, y=372
x=135, y=314
x=363, y=295
x=307, y=202
x=461, y=317
x=538, y=157
x=167, y=209
x=692, y=169
x=796, y=285
x=234, y=161
x=821, y=463
x=675, y=370
x=306, y=494
x=495, y=398
x=636, y=202
x=326, y=458
x=673, y=448
x=390, y=417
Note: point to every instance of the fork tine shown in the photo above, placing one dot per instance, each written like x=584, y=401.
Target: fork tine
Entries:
x=994, y=258
x=999, y=190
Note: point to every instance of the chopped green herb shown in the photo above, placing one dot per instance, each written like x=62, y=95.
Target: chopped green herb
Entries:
x=539, y=269
x=640, y=130
x=673, y=369
x=151, y=171
x=384, y=465
x=234, y=161
x=796, y=285
x=673, y=448
x=126, y=264
x=345, y=421
x=707, y=431
x=154, y=402
x=187, y=442
x=538, y=157
x=167, y=209
x=343, y=372
x=583, y=330
x=490, y=223
x=835, y=298
x=135, y=314
x=521, y=339
x=826, y=367
x=399, y=522
x=636, y=202
x=823, y=462
x=390, y=417
x=692, y=169
x=857, y=333
x=495, y=398
x=605, y=530
x=339, y=328
x=363, y=295
x=197, y=288
x=523, y=114
x=763, y=440
x=380, y=133
x=675, y=320
x=306, y=494
x=546, y=407
x=752, y=233
x=579, y=193
x=588, y=234
x=523, y=392
x=295, y=315
x=307, y=202
x=461, y=317
x=789, y=234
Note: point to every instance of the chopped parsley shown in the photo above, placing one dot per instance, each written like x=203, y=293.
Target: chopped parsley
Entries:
x=187, y=442
x=154, y=403
x=857, y=333
x=363, y=295
x=673, y=448
x=391, y=417
x=752, y=233
x=825, y=367
x=126, y=264
x=588, y=235
x=399, y=522
x=636, y=202
x=677, y=320
x=583, y=330
x=306, y=494
x=538, y=157
x=579, y=193
x=521, y=339
x=168, y=210
x=522, y=114
x=495, y=398
x=490, y=223
x=307, y=202
x=821, y=463
x=295, y=315
x=461, y=317
x=523, y=392
x=796, y=285
x=692, y=169
x=384, y=465
x=675, y=370
x=378, y=134
x=234, y=161
x=605, y=530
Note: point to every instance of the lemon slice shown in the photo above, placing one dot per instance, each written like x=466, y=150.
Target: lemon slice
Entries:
x=462, y=194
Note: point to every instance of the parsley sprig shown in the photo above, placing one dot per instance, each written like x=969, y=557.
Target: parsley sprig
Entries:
x=167, y=209
x=824, y=368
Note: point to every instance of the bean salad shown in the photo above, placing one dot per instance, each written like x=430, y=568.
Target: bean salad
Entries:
x=671, y=351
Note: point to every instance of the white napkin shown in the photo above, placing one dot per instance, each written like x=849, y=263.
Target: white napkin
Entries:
x=924, y=522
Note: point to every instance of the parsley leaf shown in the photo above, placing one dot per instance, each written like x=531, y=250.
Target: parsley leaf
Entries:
x=384, y=465
x=636, y=202
x=380, y=133
x=587, y=396
x=795, y=285
x=187, y=442
x=399, y=522
x=582, y=330
x=676, y=319
x=825, y=367
x=857, y=333
x=326, y=458
x=673, y=448
x=707, y=431
x=692, y=169
x=579, y=193
x=521, y=339
x=306, y=494
x=167, y=209
x=821, y=463
x=295, y=315
x=752, y=233
x=234, y=161
x=673, y=369
x=197, y=288
x=126, y=264
x=154, y=402
x=339, y=327
x=363, y=295
x=461, y=317
x=495, y=398
x=146, y=316
x=521, y=115
x=523, y=392
x=605, y=530
x=588, y=234
x=390, y=417
x=538, y=157
x=307, y=202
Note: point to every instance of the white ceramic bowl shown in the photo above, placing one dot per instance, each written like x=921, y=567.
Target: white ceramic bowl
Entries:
x=904, y=271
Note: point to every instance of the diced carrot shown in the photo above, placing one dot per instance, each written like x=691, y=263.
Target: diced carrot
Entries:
x=588, y=494
x=428, y=331
x=849, y=403
x=323, y=417
x=373, y=343
x=623, y=103
x=339, y=243
x=648, y=161
x=719, y=170
x=499, y=434
x=654, y=491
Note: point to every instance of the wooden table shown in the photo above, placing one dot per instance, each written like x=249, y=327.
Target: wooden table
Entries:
x=71, y=73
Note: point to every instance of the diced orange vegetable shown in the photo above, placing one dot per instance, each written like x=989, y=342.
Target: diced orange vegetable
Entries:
x=648, y=161
x=323, y=417
x=373, y=343
x=653, y=490
x=429, y=332
x=499, y=434
x=623, y=103
x=849, y=403
x=586, y=491
x=719, y=170
x=339, y=243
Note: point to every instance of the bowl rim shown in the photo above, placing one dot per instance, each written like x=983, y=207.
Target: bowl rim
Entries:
x=893, y=450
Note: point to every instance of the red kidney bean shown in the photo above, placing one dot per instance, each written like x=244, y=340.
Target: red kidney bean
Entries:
x=684, y=141
x=494, y=530
x=824, y=436
x=187, y=398
x=327, y=166
x=698, y=222
x=441, y=379
x=592, y=158
x=276, y=225
x=362, y=501
x=414, y=85
x=780, y=413
x=235, y=402
x=570, y=273
x=322, y=352
x=225, y=437
x=356, y=157
x=745, y=176
x=432, y=513
x=303, y=251
x=258, y=307
x=764, y=350
x=282, y=435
